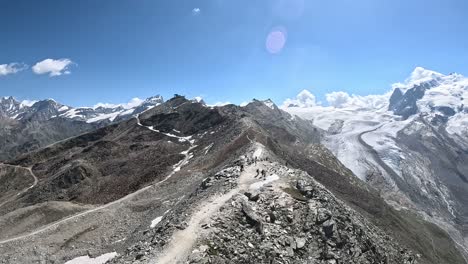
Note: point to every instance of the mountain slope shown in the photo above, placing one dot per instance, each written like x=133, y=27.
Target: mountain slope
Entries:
x=412, y=149
x=24, y=128
x=130, y=186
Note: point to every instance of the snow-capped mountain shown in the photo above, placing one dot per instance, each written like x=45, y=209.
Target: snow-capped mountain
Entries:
x=11, y=108
x=413, y=148
x=111, y=113
x=26, y=126
x=48, y=109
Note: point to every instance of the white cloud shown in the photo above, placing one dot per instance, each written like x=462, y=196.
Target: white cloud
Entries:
x=303, y=99
x=344, y=100
x=306, y=99
x=418, y=76
x=134, y=102
x=11, y=68
x=337, y=99
x=53, y=67
x=196, y=11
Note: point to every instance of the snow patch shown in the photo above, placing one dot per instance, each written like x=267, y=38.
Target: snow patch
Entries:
x=98, y=260
x=72, y=113
x=63, y=108
x=458, y=124
x=269, y=103
x=156, y=221
x=268, y=179
x=258, y=152
x=111, y=117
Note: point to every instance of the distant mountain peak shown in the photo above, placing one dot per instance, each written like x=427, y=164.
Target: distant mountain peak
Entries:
x=49, y=108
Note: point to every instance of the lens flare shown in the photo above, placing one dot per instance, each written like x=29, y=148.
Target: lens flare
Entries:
x=276, y=40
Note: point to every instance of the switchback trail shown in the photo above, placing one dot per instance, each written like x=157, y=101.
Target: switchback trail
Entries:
x=26, y=189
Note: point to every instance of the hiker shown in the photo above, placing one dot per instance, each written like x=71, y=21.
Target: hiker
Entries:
x=242, y=167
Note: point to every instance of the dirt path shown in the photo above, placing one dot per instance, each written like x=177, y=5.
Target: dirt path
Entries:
x=182, y=241
x=56, y=224
x=26, y=189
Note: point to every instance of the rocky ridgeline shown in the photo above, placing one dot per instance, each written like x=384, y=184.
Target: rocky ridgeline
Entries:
x=151, y=242
x=295, y=221
x=291, y=220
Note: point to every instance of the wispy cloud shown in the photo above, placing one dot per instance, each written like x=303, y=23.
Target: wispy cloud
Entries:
x=196, y=11
x=12, y=68
x=53, y=67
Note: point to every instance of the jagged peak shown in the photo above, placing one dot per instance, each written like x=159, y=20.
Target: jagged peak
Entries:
x=269, y=103
x=8, y=98
x=157, y=98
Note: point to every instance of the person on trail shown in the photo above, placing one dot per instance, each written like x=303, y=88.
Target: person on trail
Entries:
x=255, y=160
x=242, y=167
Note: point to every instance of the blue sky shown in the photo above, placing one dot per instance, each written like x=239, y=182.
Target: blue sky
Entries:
x=216, y=49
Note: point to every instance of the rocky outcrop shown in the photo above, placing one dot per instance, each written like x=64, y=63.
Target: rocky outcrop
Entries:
x=295, y=221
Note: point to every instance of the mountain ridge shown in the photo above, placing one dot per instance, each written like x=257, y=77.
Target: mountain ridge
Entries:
x=179, y=155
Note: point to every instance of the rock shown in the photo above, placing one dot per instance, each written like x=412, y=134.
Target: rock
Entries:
x=252, y=217
x=323, y=215
x=206, y=183
x=306, y=189
x=300, y=242
x=181, y=226
x=253, y=196
x=271, y=216
x=328, y=228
